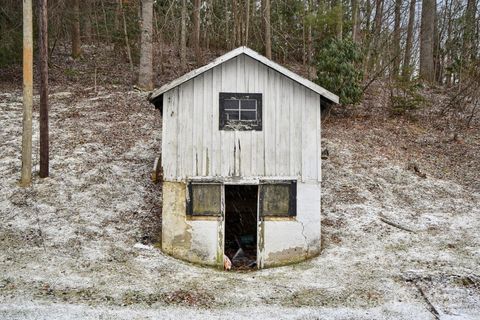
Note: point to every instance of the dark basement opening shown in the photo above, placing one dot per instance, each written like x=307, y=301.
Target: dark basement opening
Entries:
x=241, y=225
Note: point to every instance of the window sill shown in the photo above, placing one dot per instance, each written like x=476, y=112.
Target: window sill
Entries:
x=272, y=218
x=203, y=218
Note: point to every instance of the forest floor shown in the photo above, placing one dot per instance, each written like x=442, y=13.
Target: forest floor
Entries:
x=81, y=243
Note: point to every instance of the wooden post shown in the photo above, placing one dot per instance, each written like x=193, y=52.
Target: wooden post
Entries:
x=26, y=177
x=43, y=51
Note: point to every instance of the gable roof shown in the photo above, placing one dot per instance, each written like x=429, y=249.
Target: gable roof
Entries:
x=254, y=55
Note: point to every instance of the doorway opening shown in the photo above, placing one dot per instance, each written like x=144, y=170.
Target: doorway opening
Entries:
x=241, y=225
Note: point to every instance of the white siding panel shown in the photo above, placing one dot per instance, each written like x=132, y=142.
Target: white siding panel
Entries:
x=207, y=124
x=197, y=125
x=216, y=134
x=288, y=145
x=228, y=143
x=169, y=141
x=283, y=127
x=309, y=137
x=269, y=121
x=296, y=111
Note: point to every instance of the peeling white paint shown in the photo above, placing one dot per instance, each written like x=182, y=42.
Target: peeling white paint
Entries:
x=288, y=145
x=287, y=148
x=302, y=233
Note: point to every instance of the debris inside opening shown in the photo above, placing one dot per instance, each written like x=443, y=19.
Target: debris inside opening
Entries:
x=241, y=226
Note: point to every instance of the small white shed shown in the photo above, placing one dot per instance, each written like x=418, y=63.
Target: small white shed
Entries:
x=241, y=161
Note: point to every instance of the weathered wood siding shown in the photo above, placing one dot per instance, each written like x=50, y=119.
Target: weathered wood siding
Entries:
x=287, y=146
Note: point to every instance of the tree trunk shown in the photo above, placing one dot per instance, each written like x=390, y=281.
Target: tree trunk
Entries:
x=247, y=22
x=448, y=44
x=339, y=20
x=470, y=26
x=43, y=51
x=26, y=177
x=227, y=26
x=268, y=29
x=145, y=75
x=196, y=31
x=310, y=44
x=437, y=55
x=406, y=70
x=373, y=48
x=355, y=22
x=125, y=35
x=208, y=24
x=76, y=42
x=427, y=29
x=105, y=21
x=87, y=21
x=235, y=35
x=183, y=36
x=396, y=39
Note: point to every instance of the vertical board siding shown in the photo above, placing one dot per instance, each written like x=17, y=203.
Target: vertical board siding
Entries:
x=288, y=145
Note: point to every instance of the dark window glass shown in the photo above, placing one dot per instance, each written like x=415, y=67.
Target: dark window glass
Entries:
x=231, y=104
x=278, y=198
x=204, y=199
x=233, y=114
x=240, y=111
x=249, y=104
x=248, y=115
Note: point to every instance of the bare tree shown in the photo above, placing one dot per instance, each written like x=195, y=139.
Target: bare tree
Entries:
x=427, y=30
x=125, y=34
x=268, y=28
x=355, y=22
x=372, y=55
x=26, y=177
x=87, y=21
x=236, y=24
x=469, y=34
x=183, y=35
x=247, y=22
x=396, y=38
x=76, y=42
x=310, y=43
x=339, y=19
x=196, y=31
x=145, y=74
x=43, y=51
x=409, y=41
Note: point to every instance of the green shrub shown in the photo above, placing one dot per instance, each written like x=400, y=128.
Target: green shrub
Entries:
x=404, y=96
x=339, y=70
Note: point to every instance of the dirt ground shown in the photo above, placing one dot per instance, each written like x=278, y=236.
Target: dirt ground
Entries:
x=82, y=243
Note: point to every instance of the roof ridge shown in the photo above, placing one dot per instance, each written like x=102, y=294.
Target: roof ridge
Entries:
x=254, y=55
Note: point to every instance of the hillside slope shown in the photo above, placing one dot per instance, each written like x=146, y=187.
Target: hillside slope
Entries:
x=80, y=243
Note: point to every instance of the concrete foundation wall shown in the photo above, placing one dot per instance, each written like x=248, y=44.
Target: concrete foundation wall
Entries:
x=280, y=240
x=297, y=239
x=191, y=240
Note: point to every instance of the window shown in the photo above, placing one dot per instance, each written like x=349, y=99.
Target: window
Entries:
x=278, y=198
x=204, y=199
x=240, y=111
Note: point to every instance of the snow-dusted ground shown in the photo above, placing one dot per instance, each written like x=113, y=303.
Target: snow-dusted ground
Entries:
x=78, y=244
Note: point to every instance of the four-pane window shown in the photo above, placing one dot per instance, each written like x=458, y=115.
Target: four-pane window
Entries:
x=240, y=111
